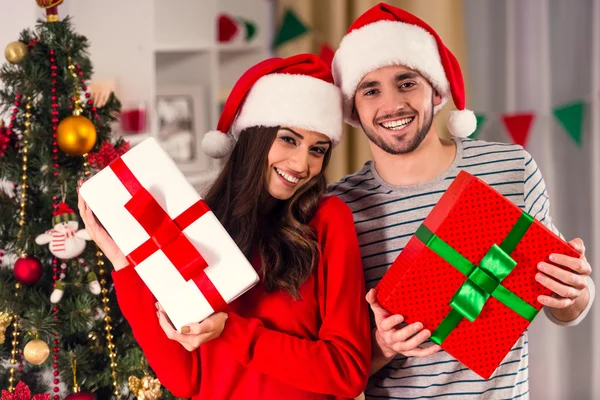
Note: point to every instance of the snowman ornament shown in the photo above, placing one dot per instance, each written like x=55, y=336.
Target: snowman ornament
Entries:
x=66, y=241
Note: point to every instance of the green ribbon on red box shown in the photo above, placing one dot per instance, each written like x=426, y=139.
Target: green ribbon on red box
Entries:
x=484, y=280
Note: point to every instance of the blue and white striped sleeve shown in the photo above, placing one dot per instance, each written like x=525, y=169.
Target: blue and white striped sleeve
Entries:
x=537, y=204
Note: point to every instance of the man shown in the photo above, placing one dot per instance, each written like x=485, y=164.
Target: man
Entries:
x=395, y=74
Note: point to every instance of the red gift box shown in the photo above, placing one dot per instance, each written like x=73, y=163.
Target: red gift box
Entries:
x=468, y=273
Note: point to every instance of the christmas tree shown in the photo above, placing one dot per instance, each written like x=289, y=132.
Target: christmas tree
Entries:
x=60, y=327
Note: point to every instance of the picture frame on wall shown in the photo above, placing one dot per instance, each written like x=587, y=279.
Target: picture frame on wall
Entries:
x=182, y=120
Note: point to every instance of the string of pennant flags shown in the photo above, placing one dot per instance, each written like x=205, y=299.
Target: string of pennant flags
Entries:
x=570, y=115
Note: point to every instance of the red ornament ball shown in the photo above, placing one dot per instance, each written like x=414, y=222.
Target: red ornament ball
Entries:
x=80, y=396
x=28, y=270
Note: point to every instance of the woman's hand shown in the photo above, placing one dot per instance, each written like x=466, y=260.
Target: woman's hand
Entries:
x=100, y=236
x=194, y=335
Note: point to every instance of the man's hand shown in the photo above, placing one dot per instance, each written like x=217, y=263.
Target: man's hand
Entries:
x=568, y=284
x=389, y=339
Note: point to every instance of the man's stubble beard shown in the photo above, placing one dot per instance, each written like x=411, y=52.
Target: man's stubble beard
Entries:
x=414, y=143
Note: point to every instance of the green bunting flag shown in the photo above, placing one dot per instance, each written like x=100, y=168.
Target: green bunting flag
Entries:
x=290, y=28
x=250, y=28
x=571, y=118
x=480, y=121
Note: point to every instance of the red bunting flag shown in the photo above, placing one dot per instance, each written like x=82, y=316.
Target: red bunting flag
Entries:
x=518, y=126
x=228, y=28
x=326, y=54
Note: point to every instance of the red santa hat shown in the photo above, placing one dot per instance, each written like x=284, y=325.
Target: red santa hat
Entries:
x=387, y=35
x=63, y=213
x=297, y=91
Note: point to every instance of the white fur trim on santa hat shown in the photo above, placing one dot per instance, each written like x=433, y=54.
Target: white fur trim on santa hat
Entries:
x=217, y=144
x=462, y=123
x=293, y=100
x=382, y=44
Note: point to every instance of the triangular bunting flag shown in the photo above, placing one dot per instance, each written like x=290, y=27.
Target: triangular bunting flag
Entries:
x=250, y=28
x=571, y=118
x=518, y=125
x=480, y=121
x=326, y=54
x=290, y=28
x=228, y=29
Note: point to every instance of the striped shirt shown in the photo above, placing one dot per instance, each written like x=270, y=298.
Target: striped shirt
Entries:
x=386, y=217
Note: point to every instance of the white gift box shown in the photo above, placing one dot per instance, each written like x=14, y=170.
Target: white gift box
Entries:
x=227, y=268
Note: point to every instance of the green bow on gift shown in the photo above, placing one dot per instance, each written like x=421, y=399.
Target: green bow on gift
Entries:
x=484, y=281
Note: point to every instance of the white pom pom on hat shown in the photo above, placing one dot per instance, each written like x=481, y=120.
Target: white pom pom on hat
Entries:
x=217, y=144
x=461, y=123
x=297, y=91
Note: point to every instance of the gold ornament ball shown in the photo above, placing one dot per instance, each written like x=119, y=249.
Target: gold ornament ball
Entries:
x=76, y=135
x=15, y=52
x=36, y=352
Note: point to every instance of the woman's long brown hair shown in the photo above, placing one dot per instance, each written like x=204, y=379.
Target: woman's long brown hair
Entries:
x=286, y=243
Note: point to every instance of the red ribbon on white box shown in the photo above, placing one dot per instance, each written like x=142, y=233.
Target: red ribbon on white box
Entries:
x=167, y=234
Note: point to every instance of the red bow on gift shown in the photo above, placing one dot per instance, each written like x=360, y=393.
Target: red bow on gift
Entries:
x=166, y=234
x=22, y=392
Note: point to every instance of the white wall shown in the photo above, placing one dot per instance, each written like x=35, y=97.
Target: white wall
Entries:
x=17, y=15
x=119, y=48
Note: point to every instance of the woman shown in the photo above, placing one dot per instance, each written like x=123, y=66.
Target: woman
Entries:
x=303, y=331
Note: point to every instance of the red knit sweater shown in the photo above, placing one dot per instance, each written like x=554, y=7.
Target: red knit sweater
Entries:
x=272, y=347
